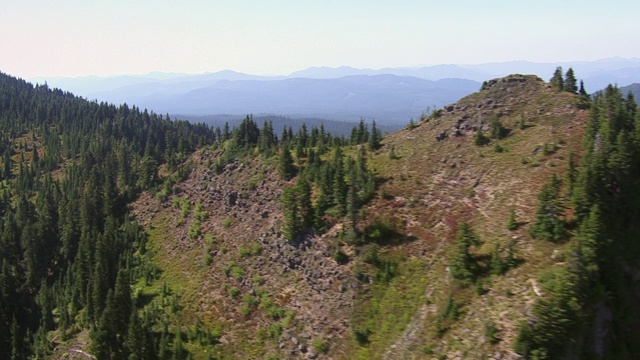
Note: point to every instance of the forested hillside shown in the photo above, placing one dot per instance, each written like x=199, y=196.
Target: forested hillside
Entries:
x=67, y=243
x=502, y=226
x=76, y=271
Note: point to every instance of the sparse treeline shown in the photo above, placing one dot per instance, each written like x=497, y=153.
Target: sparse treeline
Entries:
x=329, y=184
x=597, y=281
x=69, y=168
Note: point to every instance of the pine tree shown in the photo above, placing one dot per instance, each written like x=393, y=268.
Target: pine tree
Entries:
x=179, y=352
x=557, y=82
x=7, y=164
x=497, y=129
x=352, y=200
x=463, y=268
x=303, y=197
x=122, y=297
x=548, y=224
x=591, y=241
x=339, y=184
x=570, y=82
x=582, y=90
x=375, y=137
x=136, y=341
x=288, y=202
x=286, y=168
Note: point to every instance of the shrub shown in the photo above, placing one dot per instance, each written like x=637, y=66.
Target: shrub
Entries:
x=549, y=149
x=234, y=292
x=275, y=330
x=237, y=273
x=258, y=280
x=227, y=222
x=244, y=251
x=340, y=257
x=194, y=230
x=387, y=269
x=361, y=335
x=381, y=229
x=185, y=207
x=480, y=139
x=392, y=154
x=512, y=223
x=276, y=312
x=200, y=213
x=250, y=300
x=498, y=131
x=320, y=346
x=491, y=332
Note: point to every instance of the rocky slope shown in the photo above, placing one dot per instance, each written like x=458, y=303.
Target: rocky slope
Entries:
x=293, y=300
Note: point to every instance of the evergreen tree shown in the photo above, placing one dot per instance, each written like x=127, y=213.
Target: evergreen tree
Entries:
x=352, y=200
x=339, y=184
x=462, y=266
x=303, y=197
x=292, y=221
x=548, y=224
x=375, y=137
x=557, y=82
x=122, y=297
x=286, y=168
x=582, y=90
x=570, y=82
x=497, y=129
x=7, y=164
x=479, y=139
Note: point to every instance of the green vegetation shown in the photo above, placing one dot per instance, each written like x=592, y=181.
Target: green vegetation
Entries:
x=71, y=254
x=76, y=267
x=200, y=213
x=463, y=266
x=227, y=222
x=320, y=346
x=512, y=223
x=342, y=184
x=604, y=204
x=498, y=131
x=549, y=224
x=480, y=139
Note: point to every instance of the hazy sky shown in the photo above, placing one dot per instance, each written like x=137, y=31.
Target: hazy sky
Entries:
x=80, y=37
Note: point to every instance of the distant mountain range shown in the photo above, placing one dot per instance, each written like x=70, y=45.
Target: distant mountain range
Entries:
x=633, y=88
x=389, y=95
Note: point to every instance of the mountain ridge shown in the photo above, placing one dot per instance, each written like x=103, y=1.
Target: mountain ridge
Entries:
x=496, y=226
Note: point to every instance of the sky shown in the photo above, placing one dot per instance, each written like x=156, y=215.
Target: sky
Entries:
x=80, y=38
